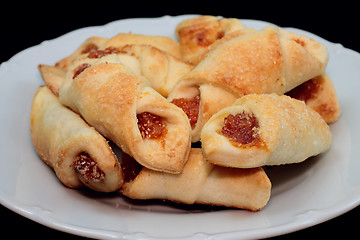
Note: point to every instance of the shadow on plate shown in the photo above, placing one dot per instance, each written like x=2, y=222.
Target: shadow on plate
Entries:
x=285, y=177
x=118, y=201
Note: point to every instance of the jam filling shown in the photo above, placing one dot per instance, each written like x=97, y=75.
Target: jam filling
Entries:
x=130, y=167
x=79, y=69
x=190, y=107
x=305, y=91
x=242, y=128
x=89, y=48
x=97, y=53
x=87, y=168
x=151, y=126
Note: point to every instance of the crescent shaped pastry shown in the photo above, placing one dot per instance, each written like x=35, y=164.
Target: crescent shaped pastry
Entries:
x=199, y=182
x=196, y=35
x=319, y=94
x=264, y=129
x=124, y=108
x=270, y=60
x=78, y=154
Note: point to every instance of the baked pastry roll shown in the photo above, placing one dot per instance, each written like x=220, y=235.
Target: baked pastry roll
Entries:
x=124, y=108
x=78, y=154
x=197, y=34
x=271, y=60
x=264, y=129
x=319, y=94
x=199, y=182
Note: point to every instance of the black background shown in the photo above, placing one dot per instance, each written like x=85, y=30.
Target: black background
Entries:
x=24, y=25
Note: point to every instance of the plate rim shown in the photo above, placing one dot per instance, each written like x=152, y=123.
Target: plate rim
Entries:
x=329, y=213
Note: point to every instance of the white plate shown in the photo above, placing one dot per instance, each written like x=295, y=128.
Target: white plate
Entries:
x=303, y=195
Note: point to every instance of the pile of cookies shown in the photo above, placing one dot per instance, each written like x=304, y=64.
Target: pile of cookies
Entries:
x=251, y=97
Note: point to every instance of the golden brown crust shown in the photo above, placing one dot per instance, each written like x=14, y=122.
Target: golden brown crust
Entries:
x=290, y=132
x=60, y=135
x=202, y=182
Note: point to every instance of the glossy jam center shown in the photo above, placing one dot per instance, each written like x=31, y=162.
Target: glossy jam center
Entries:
x=190, y=107
x=305, y=91
x=151, y=126
x=87, y=168
x=242, y=128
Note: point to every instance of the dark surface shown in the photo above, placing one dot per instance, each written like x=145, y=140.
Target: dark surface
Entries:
x=25, y=25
